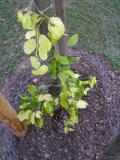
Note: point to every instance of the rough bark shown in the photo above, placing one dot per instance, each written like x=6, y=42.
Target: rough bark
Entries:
x=9, y=117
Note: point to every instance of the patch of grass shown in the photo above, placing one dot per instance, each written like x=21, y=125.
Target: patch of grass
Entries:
x=98, y=25
x=114, y=58
x=10, y=37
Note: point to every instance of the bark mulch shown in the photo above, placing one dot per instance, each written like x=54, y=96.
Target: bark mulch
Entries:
x=98, y=124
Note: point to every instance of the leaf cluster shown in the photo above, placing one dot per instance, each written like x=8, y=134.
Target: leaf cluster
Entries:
x=44, y=59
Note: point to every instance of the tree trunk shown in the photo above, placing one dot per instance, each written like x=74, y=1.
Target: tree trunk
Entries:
x=9, y=117
x=42, y=5
x=60, y=12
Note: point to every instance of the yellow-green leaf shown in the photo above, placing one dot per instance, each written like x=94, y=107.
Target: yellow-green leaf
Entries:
x=21, y=17
x=45, y=46
x=29, y=46
x=41, y=71
x=48, y=97
x=45, y=97
x=30, y=34
x=56, y=28
x=38, y=114
x=32, y=89
x=73, y=40
x=81, y=104
x=56, y=101
x=29, y=19
x=32, y=119
x=92, y=82
x=41, y=98
x=34, y=62
x=24, y=115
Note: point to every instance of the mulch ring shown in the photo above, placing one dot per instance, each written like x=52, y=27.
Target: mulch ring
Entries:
x=98, y=124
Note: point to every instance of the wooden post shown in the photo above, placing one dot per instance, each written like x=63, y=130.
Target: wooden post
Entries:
x=60, y=12
x=9, y=117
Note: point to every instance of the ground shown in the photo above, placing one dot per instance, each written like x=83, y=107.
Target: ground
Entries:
x=98, y=124
x=98, y=25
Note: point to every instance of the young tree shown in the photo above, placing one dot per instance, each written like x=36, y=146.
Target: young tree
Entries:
x=64, y=88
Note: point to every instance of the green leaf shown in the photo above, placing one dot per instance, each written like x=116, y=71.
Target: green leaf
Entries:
x=45, y=46
x=34, y=101
x=73, y=40
x=40, y=122
x=54, y=69
x=24, y=105
x=24, y=99
x=30, y=34
x=32, y=118
x=34, y=62
x=72, y=74
x=32, y=89
x=61, y=59
x=81, y=104
x=41, y=71
x=56, y=28
x=49, y=108
x=63, y=102
x=92, y=81
x=29, y=46
x=24, y=115
x=68, y=129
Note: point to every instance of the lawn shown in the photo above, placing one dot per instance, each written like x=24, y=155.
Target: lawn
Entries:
x=11, y=36
x=96, y=21
x=98, y=25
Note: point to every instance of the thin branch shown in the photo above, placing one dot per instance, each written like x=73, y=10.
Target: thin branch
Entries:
x=49, y=60
x=47, y=8
x=30, y=5
x=40, y=12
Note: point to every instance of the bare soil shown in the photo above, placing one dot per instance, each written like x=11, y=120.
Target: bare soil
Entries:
x=98, y=124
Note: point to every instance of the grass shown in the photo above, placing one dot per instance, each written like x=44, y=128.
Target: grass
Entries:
x=96, y=21
x=10, y=38
x=98, y=25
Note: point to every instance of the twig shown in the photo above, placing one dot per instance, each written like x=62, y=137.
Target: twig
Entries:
x=47, y=8
x=30, y=5
x=40, y=12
